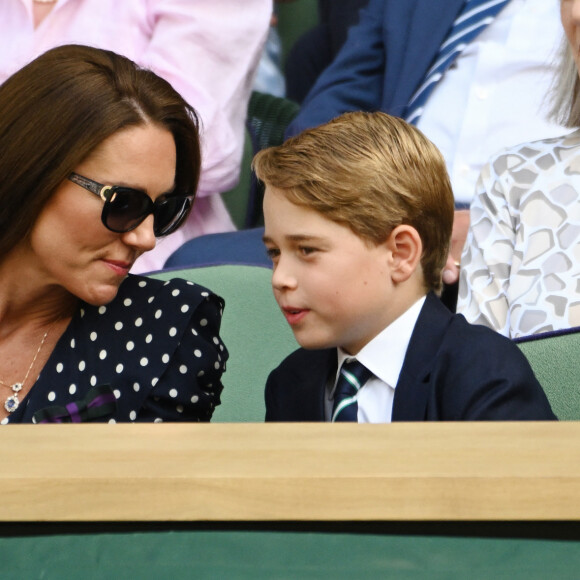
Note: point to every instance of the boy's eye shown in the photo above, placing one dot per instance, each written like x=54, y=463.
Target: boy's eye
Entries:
x=307, y=250
x=272, y=253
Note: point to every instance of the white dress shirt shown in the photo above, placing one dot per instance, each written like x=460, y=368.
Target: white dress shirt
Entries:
x=495, y=94
x=383, y=356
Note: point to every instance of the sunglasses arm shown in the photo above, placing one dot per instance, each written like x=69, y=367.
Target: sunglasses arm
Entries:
x=107, y=193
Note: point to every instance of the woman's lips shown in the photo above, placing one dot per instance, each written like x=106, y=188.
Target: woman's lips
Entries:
x=119, y=267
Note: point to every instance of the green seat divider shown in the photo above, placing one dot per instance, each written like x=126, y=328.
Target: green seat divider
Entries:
x=555, y=359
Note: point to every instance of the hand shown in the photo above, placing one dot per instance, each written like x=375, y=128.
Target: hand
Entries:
x=458, y=236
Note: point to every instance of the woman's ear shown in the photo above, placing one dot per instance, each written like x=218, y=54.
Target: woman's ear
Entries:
x=406, y=250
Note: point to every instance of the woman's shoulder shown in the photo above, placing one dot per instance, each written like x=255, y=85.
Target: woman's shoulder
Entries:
x=152, y=302
x=522, y=169
x=537, y=156
x=156, y=290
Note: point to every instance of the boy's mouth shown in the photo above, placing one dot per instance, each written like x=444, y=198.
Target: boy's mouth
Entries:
x=294, y=315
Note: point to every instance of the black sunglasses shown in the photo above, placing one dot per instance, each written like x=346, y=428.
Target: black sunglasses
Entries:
x=125, y=208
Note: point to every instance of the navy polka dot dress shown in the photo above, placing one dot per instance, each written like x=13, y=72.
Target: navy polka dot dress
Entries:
x=153, y=354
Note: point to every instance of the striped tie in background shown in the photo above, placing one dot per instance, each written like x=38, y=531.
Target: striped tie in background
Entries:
x=473, y=19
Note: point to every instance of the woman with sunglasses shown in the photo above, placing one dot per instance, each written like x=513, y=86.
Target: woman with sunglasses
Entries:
x=208, y=51
x=98, y=159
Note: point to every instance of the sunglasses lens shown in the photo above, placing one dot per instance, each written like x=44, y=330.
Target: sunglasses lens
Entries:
x=126, y=209
x=169, y=214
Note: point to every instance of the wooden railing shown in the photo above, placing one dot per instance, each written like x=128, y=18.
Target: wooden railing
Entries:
x=290, y=472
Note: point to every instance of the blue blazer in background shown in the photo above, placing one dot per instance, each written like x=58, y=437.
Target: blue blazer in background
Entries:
x=383, y=62
x=453, y=371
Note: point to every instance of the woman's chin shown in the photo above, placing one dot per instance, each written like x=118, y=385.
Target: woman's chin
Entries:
x=100, y=296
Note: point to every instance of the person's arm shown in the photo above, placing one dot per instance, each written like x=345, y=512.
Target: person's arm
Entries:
x=486, y=377
x=458, y=237
x=504, y=391
x=209, y=52
x=488, y=254
x=354, y=80
x=190, y=387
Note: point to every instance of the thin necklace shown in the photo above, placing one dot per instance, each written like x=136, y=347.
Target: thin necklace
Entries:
x=12, y=402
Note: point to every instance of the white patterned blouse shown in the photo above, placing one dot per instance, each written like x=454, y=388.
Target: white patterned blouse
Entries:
x=520, y=268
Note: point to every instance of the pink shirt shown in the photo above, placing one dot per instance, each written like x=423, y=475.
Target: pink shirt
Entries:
x=208, y=50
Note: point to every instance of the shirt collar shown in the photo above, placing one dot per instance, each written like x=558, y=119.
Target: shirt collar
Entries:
x=384, y=355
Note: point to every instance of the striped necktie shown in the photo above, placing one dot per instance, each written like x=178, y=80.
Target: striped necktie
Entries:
x=353, y=375
x=475, y=16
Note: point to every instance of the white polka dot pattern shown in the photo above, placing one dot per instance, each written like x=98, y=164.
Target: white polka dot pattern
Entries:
x=155, y=337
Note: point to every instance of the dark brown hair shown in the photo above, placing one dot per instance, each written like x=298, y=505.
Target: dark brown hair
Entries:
x=57, y=109
x=369, y=172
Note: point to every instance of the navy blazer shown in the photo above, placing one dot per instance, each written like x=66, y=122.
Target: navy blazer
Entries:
x=382, y=63
x=452, y=371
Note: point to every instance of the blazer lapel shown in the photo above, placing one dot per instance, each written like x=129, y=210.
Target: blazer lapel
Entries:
x=415, y=48
x=325, y=366
x=304, y=385
x=413, y=387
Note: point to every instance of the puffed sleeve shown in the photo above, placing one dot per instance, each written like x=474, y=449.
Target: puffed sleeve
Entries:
x=190, y=387
x=489, y=251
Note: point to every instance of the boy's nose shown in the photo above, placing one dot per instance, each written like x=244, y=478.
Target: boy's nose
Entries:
x=282, y=278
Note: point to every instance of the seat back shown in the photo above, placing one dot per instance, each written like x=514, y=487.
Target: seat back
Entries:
x=253, y=330
x=237, y=199
x=268, y=117
x=243, y=247
x=267, y=120
x=555, y=359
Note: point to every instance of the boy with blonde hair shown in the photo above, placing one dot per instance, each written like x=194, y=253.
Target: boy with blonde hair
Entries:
x=358, y=215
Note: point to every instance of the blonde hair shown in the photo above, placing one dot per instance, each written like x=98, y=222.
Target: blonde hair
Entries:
x=565, y=108
x=370, y=172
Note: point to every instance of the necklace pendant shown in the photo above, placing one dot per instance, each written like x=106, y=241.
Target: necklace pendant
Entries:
x=12, y=403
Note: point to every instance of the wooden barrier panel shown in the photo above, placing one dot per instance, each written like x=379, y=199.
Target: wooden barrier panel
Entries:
x=290, y=472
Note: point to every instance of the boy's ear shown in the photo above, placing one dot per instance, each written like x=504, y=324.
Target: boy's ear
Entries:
x=406, y=250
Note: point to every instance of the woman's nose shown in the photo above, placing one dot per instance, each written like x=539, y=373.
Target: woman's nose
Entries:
x=142, y=237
